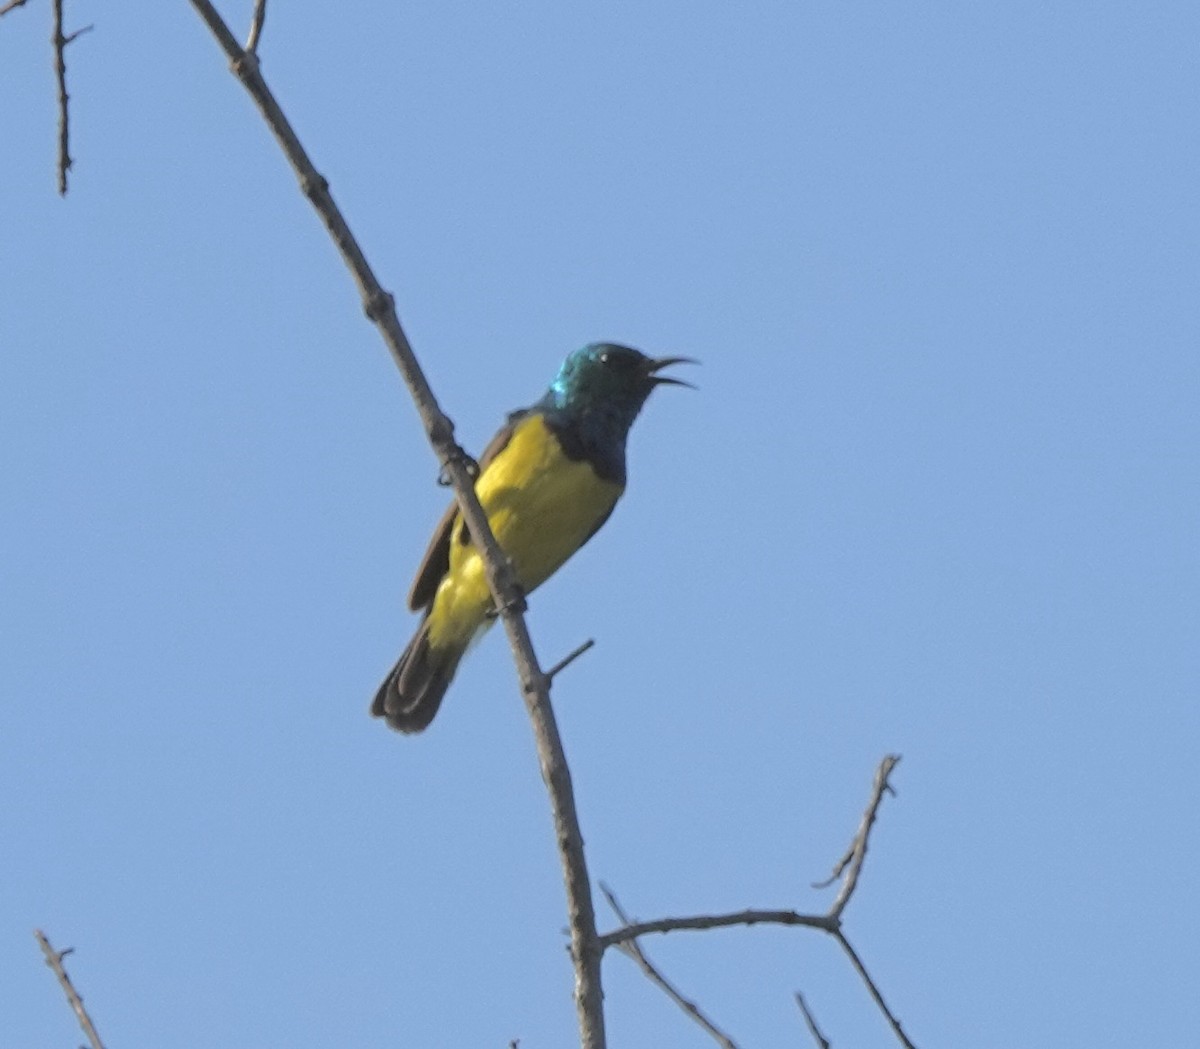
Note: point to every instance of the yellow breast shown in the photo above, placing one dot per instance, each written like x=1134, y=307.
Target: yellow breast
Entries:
x=542, y=507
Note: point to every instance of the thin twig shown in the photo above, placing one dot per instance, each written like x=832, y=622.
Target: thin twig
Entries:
x=849, y=867
x=716, y=921
x=851, y=863
x=874, y=991
x=54, y=959
x=634, y=950
x=256, y=25
x=568, y=659
x=60, y=71
x=60, y=42
x=65, y=163
x=380, y=307
x=813, y=1029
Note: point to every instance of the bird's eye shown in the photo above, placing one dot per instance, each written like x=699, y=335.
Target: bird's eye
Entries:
x=616, y=359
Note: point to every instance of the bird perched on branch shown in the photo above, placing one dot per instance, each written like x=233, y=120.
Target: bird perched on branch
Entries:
x=547, y=482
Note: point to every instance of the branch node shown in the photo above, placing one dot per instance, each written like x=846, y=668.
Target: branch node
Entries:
x=533, y=685
x=379, y=303
x=440, y=431
x=315, y=186
x=245, y=66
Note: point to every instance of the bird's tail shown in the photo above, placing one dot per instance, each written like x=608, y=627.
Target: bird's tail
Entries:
x=411, y=694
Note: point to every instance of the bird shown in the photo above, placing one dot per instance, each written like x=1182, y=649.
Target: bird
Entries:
x=547, y=482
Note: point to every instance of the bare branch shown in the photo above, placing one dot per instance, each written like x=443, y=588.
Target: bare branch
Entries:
x=851, y=863
x=54, y=959
x=380, y=308
x=717, y=921
x=874, y=991
x=813, y=1029
x=256, y=25
x=849, y=866
x=586, y=946
x=634, y=950
x=570, y=658
x=60, y=42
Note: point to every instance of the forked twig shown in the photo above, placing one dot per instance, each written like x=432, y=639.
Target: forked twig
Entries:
x=848, y=868
x=851, y=863
x=54, y=959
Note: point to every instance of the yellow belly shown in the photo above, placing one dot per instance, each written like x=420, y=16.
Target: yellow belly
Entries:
x=542, y=507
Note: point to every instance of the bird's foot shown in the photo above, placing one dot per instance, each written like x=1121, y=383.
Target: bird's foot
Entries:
x=460, y=456
x=517, y=604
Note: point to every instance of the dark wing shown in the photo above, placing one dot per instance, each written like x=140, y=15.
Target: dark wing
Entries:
x=436, y=562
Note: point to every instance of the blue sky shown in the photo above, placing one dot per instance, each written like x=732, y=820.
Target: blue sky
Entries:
x=937, y=495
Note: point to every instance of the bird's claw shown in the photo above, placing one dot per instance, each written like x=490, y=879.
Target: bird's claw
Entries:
x=460, y=456
x=517, y=604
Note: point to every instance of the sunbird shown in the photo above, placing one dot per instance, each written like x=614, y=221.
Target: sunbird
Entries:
x=547, y=482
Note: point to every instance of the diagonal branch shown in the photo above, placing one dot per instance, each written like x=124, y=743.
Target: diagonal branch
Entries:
x=851, y=863
x=256, y=25
x=873, y=990
x=811, y=1023
x=54, y=959
x=634, y=950
x=569, y=658
x=380, y=308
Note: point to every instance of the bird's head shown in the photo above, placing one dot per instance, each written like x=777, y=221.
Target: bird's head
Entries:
x=609, y=381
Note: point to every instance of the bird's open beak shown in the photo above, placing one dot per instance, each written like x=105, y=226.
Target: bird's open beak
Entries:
x=656, y=364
